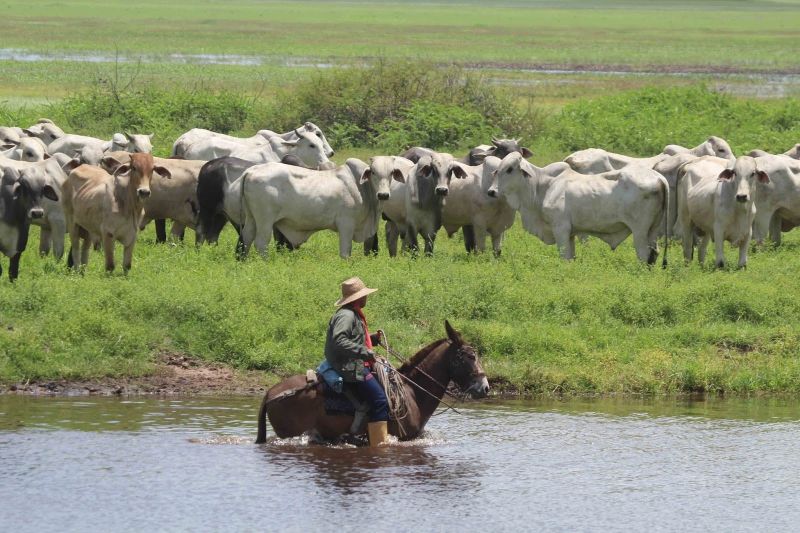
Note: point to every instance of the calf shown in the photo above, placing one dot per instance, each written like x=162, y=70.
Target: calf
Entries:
x=170, y=199
x=45, y=130
x=19, y=204
x=713, y=146
x=28, y=149
x=395, y=169
x=557, y=203
x=110, y=207
x=716, y=201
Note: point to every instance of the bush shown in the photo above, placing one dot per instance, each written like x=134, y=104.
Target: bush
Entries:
x=643, y=122
x=424, y=123
x=358, y=105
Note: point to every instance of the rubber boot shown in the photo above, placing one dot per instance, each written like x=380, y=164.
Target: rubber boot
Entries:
x=378, y=433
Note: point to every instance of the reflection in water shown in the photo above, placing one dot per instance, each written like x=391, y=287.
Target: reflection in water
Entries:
x=189, y=464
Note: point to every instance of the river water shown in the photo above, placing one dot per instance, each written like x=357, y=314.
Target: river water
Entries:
x=107, y=464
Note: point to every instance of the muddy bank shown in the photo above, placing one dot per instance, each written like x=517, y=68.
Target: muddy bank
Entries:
x=175, y=374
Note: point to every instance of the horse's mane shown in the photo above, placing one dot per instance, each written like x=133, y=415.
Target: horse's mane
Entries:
x=421, y=355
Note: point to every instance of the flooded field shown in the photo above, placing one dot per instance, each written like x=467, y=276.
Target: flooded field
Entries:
x=189, y=464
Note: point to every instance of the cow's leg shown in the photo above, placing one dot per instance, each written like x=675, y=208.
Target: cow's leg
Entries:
x=247, y=236
x=178, y=231
x=687, y=242
x=86, y=248
x=371, y=245
x=57, y=233
x=702, y=248
x=108, y=250
x=127, y=255
x=263, y=235
x=45, y=239
x=75, y=245
x=642, y=244
x=346, y=231
x=478, y=238
x=392, y=233
x=497, y=243
x=13, y=266
x=429, y=240
x=719, y=245
x=775, y=229
x=161, y=228
x=565, y=241
x=411, y=239
x=280, y=240
x=469, y=238
x=745, y=244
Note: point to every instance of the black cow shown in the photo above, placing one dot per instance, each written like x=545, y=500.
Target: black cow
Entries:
x=212, y=185
x=19, y=203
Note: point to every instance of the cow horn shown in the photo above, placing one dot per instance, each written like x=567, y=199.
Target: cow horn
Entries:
x=495, y=141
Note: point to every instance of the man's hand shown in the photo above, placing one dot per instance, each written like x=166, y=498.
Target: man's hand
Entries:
x=370, y=355
x=381, y=336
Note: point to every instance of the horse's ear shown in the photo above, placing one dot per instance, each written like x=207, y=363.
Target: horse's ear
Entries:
x=452, y=334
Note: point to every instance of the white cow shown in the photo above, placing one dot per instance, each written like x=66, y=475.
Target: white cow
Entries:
x=395, y=169
x=793, y=152
x=714, y=146
x=262, y=137
x=29, y=149
x=9, y=137
x=557, y=204
x=777, y=202
x=308, y=148
x=469, y=204
x=300, y=202
x=597, y=160
x=716, y=201
x=81, y=145
x=45, y=130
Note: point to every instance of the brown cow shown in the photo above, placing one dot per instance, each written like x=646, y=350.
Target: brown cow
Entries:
x=101, y=205
x=175, y=198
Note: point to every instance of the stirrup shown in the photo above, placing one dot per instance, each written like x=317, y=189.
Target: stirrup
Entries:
x=359, y=441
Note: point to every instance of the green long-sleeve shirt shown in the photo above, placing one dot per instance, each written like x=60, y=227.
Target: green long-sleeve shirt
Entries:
x=345, y=341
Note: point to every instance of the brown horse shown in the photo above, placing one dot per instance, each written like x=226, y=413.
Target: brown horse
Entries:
x=432, y=368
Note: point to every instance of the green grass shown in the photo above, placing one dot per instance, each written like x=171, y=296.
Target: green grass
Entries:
x=601, y=324
x=743, y=36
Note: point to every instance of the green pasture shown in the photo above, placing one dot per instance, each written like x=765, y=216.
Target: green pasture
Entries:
x=650, y=36
x=601, y=324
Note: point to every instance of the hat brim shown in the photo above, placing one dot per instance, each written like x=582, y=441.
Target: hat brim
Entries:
x=353, y=297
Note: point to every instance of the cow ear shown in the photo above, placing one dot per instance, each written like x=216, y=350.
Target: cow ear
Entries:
x=150, y=136
x=397, y=174
x=459, y=171
x=525, y=173
x=71, y=165
x=526, y=153
x=28, y=132
x=46, y=156
x=726, y=175
x=290, y=143
x=122, y=169
x=162, y=171
x=49, y=193
x=366, y=175
x=762, y=176
x=16, y=190
x=111, y=163
x=127, y=135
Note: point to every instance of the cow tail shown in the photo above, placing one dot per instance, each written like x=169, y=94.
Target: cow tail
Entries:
x=665, y=206
x=240, y=241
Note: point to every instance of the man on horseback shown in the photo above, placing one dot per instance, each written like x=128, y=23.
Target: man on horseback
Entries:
x=348, y=349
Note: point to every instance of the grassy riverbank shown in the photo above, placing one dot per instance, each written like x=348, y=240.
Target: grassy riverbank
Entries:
x=602, y=323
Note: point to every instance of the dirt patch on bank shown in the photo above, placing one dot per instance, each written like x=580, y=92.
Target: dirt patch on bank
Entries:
x=175, y=374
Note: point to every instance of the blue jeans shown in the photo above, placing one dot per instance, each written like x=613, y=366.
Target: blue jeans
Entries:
x=371, y=391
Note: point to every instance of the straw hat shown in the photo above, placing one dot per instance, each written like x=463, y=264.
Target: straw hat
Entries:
x=352, y=290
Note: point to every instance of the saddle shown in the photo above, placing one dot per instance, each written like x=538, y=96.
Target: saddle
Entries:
x=336, y=403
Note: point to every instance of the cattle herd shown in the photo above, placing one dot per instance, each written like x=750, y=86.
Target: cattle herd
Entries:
x=284, y=185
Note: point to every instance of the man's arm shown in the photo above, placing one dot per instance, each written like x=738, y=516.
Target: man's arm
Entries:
x=343, y=325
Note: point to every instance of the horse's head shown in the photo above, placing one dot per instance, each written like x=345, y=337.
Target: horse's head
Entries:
x=465, y=369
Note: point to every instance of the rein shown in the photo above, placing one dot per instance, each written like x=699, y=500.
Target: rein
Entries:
x=385, y=345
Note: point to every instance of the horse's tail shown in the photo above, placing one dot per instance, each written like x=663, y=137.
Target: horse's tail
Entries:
x=261, y=437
